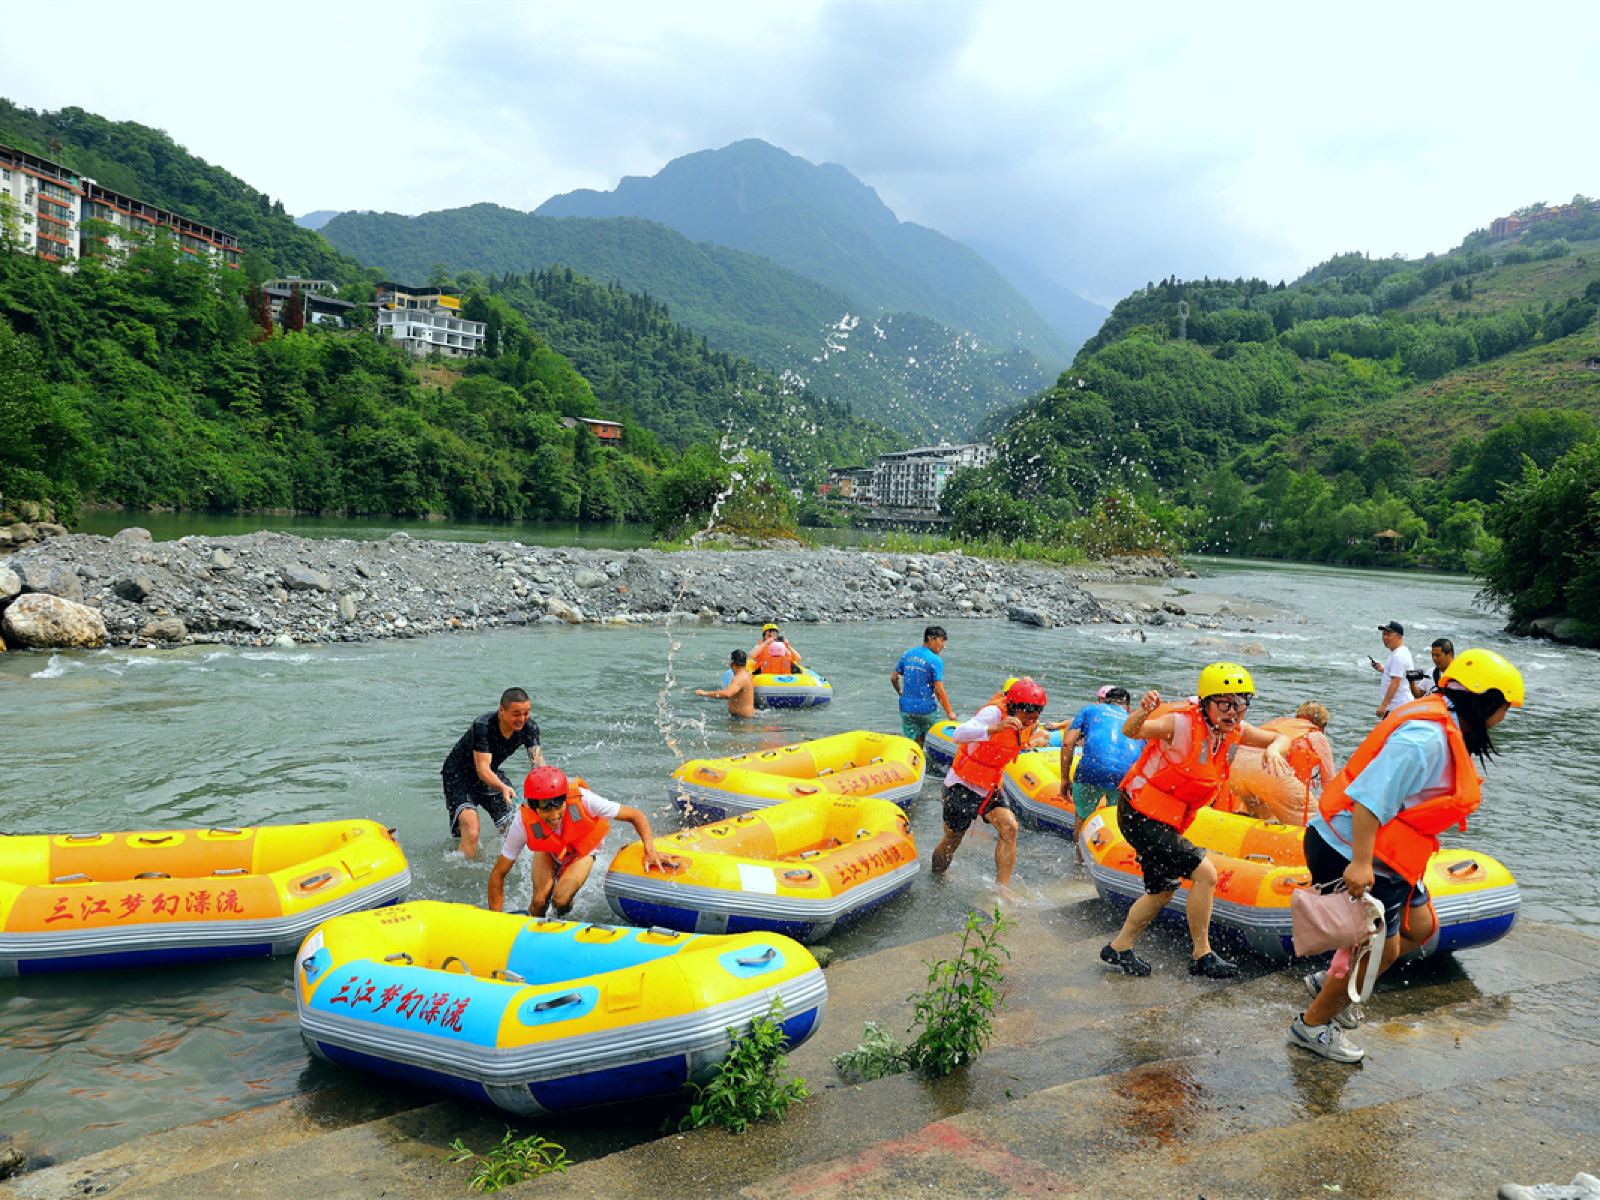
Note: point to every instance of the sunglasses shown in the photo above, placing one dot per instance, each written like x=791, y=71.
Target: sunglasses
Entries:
x=1229, y=703
x=548, y=805
x=1028, y=708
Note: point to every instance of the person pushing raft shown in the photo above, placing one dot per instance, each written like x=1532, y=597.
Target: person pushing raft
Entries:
x=1182, y=769
x=563, y=823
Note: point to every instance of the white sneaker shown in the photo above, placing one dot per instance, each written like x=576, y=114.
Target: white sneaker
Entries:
x=1349, y=1017
x=1325, y=1040
x=1582, y=1187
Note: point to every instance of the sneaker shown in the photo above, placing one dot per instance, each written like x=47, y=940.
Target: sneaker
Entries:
x=1582, y=1187
x=1346, y=1018
x=1213, y=966
x=1325, y=1040
x=1130, y=962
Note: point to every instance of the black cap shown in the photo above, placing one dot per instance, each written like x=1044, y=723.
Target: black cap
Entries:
x=1393, y=627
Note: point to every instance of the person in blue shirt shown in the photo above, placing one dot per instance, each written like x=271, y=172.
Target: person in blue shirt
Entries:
x=918, y=679
x=1108, y=753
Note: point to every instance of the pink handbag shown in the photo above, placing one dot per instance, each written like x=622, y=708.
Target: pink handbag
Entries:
x=1327, y=917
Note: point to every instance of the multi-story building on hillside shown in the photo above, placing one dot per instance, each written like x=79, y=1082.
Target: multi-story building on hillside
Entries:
x=914, y=479
x=424, y=319
x=61, y=216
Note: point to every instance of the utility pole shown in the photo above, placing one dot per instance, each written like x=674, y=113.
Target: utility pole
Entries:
x=1183, y=319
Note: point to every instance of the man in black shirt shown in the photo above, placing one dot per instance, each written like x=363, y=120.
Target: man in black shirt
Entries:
x=471, y=771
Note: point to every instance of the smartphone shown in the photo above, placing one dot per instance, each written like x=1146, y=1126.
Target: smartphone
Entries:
x=1374, y=662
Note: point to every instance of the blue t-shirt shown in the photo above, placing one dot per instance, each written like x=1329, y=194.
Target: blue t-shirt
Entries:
x=1414, y=764
x=920, y=668
x=1107, y=751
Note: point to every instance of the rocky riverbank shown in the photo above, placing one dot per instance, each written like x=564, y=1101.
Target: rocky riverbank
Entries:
x=86, y=590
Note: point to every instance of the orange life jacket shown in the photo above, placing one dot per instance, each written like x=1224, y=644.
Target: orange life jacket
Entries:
x=578, y=834
x=774, y=658
x=980, y=764
x=1172, y=791
x=1406, y=843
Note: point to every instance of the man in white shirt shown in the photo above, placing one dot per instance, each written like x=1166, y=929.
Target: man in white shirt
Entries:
x=1393, y=670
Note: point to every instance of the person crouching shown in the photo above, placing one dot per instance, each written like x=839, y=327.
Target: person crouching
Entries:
x=563, y=823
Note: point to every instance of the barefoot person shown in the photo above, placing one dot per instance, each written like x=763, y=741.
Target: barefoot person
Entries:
x=993, y=738
x=1183, y=768
x=563, y=823
x=471, y=772
x=741, y=690
x=1378, y=822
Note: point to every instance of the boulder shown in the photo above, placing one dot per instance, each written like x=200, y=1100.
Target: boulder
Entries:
x=133, y=533
x=283, y=642
x=303, y=579
x=49, y=529
x=41, y=621
x=587, y=579
x=10, y=585
x=221, y=560
x=164, y=629
x=560, y=609
x=18, y=533
x=1030, y=616
x=136, y=588
x=52, y=578
x=347, y=608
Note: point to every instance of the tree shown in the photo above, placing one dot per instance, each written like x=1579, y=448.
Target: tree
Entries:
x=293, y=315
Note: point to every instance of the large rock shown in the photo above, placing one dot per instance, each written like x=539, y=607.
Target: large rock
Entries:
x=557, y=607
x=303, y=579
x=55, y=579
x=164, y=629
x=221, y=560
x=347, y=608
x=41, y=622
x=588, y=579
x=10, y=585
x=133, y=533
x=18, y=533
x=49, y=529
x=136, y=588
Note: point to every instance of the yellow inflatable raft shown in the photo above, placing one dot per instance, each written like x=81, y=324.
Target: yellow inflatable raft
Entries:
x=847, y=764
x=150, y=897
x=1260, y=864
x=541, y=1016
x=1033, y=786
x=798, y=868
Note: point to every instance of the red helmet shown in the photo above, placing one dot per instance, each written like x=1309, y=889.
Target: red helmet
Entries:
x=1026, y=691
x=544, y=783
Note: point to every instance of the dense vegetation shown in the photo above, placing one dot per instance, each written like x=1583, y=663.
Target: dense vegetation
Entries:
x=147, y=164
x=907, y=371
x=1339, y=418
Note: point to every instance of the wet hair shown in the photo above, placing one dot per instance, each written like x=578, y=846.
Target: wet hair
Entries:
x=513, y=696
x=738, y=657
x=1473, y=710
x=1314, y=712
x=1444, y=644
x=1118, y=695
x=934, y=631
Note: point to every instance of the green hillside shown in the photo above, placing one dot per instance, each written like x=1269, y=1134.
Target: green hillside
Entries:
x=1303, y=420
x=825, y=224
x=908, y=372
x=145, y=163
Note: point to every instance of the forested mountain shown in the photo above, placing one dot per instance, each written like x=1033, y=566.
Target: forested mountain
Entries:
x=824, y=223
x=317, y=219
x=907, y=371
x=145, y=163
x=1372, y=396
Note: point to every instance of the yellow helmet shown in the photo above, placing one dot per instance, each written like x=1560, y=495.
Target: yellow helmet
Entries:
x=1221, y=677
x=1006, y=686
x=1478, y=670
x=771, y=626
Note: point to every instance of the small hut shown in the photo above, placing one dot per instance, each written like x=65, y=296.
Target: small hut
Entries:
x=1388, y=541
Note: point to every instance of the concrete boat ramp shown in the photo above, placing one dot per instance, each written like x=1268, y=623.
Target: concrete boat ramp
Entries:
x=1479, y=1071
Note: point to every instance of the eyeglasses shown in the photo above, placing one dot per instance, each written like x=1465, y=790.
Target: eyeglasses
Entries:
x=1229, y=703
x=1035, y=709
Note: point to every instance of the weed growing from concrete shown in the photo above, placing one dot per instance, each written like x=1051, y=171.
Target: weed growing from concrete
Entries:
x=879, y=1054
x=749, y=1085
x=512, y=1161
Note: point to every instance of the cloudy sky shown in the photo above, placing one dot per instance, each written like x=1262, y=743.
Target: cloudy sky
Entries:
x=1108, y=144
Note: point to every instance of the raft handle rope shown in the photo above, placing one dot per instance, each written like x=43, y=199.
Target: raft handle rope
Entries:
x=455, y=958
x=1266, y=858
x=663, y=932
x=1463, y=868
x=506, y=974
x=399, y=955
x=759, y=960
x=158, y=840
x=559, y=1002
x=154, y=875
x=798, y=875
x=811, y=854
x=75, y=877
x=312, y=883
x=225, y=830
x=84, y=837
x=230, y=871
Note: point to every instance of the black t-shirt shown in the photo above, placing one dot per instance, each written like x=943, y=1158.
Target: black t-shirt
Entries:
x=485, y=738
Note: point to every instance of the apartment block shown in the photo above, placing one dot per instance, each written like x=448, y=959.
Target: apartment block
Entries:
x=914, y=479
x=422, y=320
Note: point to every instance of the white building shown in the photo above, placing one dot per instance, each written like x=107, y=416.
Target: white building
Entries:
x=914, y=479
x=422, y=320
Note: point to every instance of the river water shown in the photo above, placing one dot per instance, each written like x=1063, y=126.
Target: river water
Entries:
x=207, y=736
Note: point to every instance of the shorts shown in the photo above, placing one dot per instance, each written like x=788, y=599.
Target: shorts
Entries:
x=961, y=805
x=916, y=725
x=1327, y=865
x=1086, y=797
x=459, y=794
x=1166, y=857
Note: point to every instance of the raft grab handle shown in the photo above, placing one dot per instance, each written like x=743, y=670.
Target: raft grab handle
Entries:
x=398, y=956
x=558, y=1002
x=759, y=960
x=75, y=877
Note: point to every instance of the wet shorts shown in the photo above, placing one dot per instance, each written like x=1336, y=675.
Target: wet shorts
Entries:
x=916, y=725
x=1165, y=856
x=1327, y=865
x=961, y=806
x=1086, y=798
x=459, y=794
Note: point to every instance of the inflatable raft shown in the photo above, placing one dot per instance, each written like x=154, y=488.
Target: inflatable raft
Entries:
x=152, y=897
x=802, y=689
x=540, y=1016
x=1033, y=786
x=798, y=868
x=941, y=747
x=847, y=764
x=1259, y=865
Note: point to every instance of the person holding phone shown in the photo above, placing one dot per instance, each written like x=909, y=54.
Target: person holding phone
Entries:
x=1396, y=691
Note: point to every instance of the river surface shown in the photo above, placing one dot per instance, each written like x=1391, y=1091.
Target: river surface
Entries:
x=202, y=736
